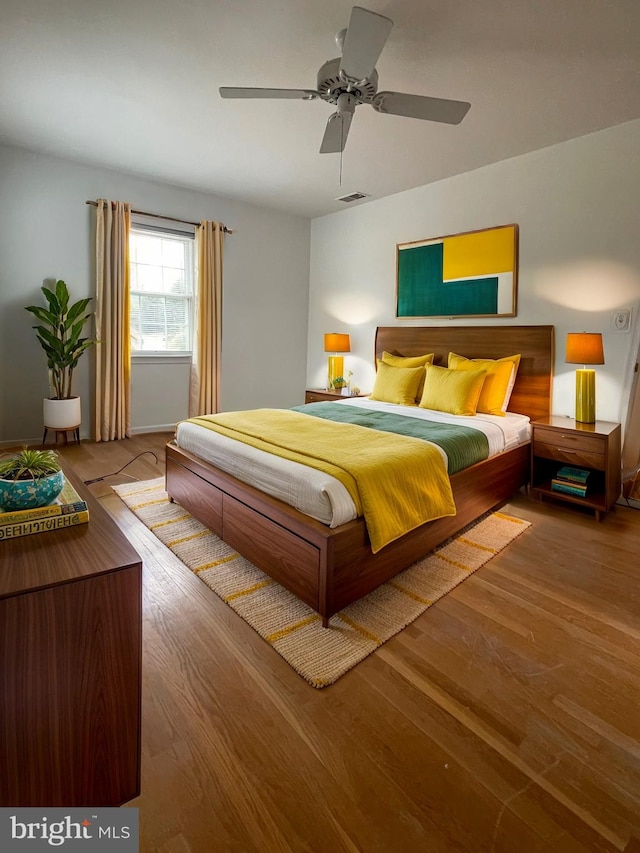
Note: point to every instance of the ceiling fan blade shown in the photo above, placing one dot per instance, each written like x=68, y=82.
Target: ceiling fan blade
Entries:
x=420, y=106
x=367, y=34
x=235, y=92
x=335, y=133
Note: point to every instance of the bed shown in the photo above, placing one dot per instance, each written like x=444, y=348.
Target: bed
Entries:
x=330, y=567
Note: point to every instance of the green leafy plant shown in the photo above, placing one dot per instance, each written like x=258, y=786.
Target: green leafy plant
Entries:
x=59, y=334
x=338, y=382
x=29, y=464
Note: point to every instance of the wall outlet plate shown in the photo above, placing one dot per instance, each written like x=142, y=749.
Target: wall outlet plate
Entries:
x=621, y=320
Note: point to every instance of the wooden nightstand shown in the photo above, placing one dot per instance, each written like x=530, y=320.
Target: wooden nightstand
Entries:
x=558, y=441
x=318, y=395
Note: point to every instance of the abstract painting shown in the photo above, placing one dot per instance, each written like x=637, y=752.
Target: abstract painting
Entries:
x=473, y=274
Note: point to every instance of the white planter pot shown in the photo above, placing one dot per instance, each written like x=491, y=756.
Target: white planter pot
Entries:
x=62, y=414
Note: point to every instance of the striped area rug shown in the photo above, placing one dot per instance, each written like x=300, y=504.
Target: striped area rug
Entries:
x=318, y=654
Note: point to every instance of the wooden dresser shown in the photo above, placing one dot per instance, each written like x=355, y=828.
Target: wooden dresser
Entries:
x=70, y=665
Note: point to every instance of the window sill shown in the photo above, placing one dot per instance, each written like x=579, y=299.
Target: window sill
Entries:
x=161, y=358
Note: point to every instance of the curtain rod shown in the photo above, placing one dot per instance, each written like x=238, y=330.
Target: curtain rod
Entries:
x=168, y=218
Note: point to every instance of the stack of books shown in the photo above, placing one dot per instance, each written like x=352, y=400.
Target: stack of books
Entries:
x=66, y=511
x=571, y=481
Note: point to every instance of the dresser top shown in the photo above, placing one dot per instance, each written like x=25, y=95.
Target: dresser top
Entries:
x=42, y=560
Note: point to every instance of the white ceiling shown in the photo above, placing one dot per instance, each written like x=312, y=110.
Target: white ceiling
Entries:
x=133, y=85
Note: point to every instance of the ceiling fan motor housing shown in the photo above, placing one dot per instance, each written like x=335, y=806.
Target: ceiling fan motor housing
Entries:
x=331, y=84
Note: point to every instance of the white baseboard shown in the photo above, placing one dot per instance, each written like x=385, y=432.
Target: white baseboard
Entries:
x=22, y=442
x=155, y=428
x=634, y=503
x=27, y=442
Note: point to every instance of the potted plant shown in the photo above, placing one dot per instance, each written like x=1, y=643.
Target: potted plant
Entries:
x=347, y=388
x=59, y=334
x=30, y=478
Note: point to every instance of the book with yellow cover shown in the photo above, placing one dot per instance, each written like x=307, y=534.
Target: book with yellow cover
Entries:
x=68, y=502
x=42, y=525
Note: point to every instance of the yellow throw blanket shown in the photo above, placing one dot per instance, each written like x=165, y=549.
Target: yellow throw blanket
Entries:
x=396, y=482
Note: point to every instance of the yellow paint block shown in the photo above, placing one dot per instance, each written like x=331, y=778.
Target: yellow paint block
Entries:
x=479, y=253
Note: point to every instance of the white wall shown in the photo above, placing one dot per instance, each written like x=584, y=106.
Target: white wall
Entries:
x=46, y=231
x=576, y=205
x=578, y=208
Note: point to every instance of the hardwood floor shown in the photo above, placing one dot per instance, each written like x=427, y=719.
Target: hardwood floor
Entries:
x=505, y=718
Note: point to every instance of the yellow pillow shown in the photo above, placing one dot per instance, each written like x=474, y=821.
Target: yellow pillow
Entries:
x=453, y=391
x=396, y=384
x=498, y=384
x=409, y=361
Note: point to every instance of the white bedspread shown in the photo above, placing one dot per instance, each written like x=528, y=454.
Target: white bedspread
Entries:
x=313, y=492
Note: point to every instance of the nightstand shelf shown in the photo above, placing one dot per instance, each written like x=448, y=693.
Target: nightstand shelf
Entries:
x=319, y=395
x=559, y=441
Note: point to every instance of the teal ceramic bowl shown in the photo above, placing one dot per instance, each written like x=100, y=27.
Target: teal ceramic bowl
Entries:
x=28, y=494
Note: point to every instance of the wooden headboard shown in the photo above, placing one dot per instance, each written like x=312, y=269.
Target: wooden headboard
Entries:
x=532, y=392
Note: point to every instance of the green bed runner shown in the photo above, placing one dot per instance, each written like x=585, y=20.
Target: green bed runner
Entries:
x=463, y=445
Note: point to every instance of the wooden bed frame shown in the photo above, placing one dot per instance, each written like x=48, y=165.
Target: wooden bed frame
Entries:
x=330, y=568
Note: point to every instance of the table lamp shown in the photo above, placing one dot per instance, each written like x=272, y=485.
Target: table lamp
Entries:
x=585, y=348
x=336, y=342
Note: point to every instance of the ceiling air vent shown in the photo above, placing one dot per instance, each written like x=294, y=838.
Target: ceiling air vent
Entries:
x=352, y=197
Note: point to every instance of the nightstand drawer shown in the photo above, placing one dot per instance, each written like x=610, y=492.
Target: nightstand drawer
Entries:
x=570, y=440
x=570, y=455
x=319, y=397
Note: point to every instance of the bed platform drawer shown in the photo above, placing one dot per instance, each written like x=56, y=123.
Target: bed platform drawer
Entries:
x=288, y=559
x=204, y=502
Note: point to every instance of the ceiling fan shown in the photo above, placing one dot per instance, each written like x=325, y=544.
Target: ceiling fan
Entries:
x=352, y=79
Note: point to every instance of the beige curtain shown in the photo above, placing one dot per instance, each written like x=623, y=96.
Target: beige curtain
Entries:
x=204, y=397
x=112, y=413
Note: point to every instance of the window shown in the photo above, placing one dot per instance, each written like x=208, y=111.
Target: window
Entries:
x=162, y=271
